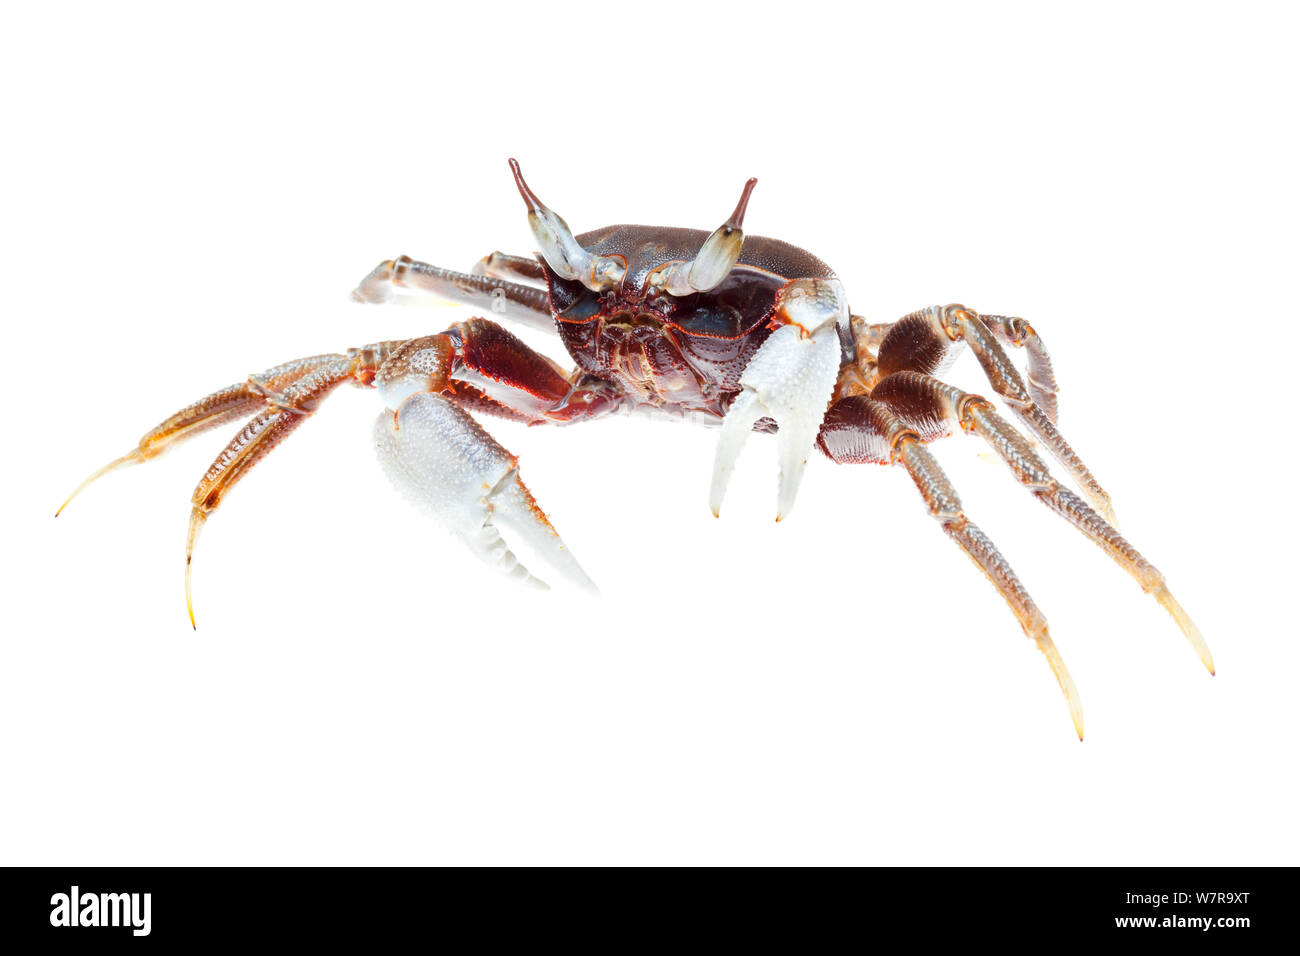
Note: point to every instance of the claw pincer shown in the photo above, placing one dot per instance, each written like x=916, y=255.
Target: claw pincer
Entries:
x=445, y=462
x=791, y=380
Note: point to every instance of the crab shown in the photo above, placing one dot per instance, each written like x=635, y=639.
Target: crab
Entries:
x=742, y=332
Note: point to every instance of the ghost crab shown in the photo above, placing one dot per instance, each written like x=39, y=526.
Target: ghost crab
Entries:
x=748, y=333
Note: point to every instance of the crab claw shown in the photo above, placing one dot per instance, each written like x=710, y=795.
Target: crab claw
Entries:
x=440, y=458
x=790, y=380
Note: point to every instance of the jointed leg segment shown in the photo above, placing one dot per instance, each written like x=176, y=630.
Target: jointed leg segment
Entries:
x=502, y=265
x=925, y=341
x=1040, y=376
x=523, y=303
x=288, y=407
x=861, y=429
x=221, y=407
x=933, y=407
x=889, y=403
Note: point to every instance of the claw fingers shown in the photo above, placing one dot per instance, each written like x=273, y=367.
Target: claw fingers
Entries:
x=796, y=435
x=513, y=507
x=790, y=379
x=444, y=461
x=736, y=428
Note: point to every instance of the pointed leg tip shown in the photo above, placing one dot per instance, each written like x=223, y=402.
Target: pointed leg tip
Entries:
x=130, y=458
x=1185, y=624
x=1041, y=636
x=197, y=520
x=189, y=601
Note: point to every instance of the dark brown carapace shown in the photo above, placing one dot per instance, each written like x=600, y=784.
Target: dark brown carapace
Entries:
x=747, y=333
x=663, y=344
x=665, y=350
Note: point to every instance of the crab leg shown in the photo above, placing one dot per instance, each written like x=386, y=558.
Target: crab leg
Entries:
x=219, y=408
x=280, y=399
x=931, y=407
x=522, y=303
x=502, y=265
x=1040, y=376
x=859, y=429
x=1006, y=381
x=860, y=344
x=288, y=409
x=484, y=367
x=925, y=342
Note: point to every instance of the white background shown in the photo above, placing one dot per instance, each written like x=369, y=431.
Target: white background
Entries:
x=191, y=194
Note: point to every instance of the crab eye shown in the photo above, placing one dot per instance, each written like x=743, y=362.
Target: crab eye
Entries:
x=562, y=252
x=716, y=320
x=583, y=308
x=716, y=258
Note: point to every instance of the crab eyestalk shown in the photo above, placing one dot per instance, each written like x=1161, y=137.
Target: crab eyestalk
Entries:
x=561, y=250
x=716, y=258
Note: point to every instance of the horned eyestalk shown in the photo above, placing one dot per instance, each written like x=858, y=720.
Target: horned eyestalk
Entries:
x=561, y=250
x=716, y=258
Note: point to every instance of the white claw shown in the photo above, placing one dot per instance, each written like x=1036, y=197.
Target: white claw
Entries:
x=790, y=379
x=443, y=460
x=514, y=509
x=742, y=415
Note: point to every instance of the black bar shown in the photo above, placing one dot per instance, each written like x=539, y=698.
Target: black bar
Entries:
x=805, y=910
